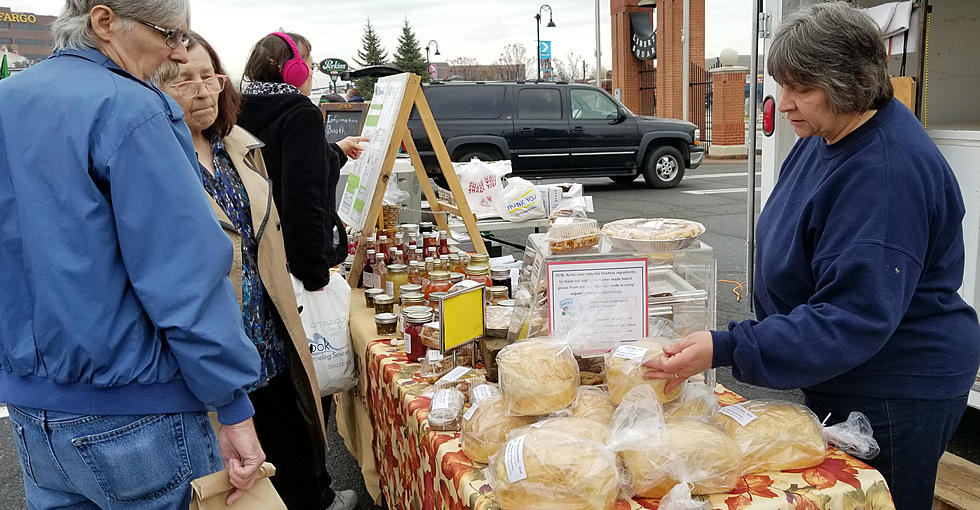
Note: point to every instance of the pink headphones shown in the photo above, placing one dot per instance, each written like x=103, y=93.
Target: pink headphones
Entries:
x=295, y=71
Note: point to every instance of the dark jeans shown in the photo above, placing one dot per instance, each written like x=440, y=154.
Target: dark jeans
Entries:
x=912, y=434
x=301, y=476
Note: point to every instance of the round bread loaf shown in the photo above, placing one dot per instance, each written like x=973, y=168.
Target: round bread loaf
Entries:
x=563, y=472
x=487, y=428
x=537, y=376
x=594, y=403
x=691, y=450
x=572, y=425
x=623, y=373
x=782, y=436
x=696, y=400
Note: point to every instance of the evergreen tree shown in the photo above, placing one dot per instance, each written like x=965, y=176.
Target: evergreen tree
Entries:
x=408, y=56
x=370, y=54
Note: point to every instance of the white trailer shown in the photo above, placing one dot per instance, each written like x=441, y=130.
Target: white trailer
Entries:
x=943, y=57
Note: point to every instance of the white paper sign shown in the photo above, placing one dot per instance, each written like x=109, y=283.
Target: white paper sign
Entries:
x=433, y=355
x=440, y=400
x=469, y=412
x=455, y=374
x=738, y=413
x=481, y=392
x=618, y=288
x=379, y=126
x=372, y=281
x=630, y=352
x=514, y=460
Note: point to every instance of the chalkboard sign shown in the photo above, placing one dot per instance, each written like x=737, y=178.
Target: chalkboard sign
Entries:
x=341, y=120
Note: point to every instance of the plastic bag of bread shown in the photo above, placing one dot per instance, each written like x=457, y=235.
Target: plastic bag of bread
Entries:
x=485, y=427
x=483, y=391
x=658, y=455
x=544, y=469
x=624, y=369
x=679, y=498
x=537, y=376
x=446, y=409
x=593, y=403
x=571, y=425
x=697, y=400
x=773, y=435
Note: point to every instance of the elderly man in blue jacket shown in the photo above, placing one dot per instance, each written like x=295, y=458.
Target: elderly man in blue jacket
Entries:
x=119, y=328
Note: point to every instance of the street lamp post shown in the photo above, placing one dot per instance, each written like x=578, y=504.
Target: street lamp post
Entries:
x=551, y=24
x=432, y=42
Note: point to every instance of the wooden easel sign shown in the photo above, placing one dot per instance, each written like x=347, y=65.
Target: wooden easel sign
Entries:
x=386, y=125
x=341, y=120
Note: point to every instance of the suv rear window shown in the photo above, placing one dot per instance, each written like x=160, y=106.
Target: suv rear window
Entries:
x=539, y=104
x=465, y=102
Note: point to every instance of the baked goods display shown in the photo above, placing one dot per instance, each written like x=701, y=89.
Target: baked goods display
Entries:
x=497, y=320
x=485, y=427
x=547, y=469
x=537, y=376
x=695, y=451
x=624, y=369
x=435, y=365
x=569, y=233
x=652, y=234
x=774, y=435
x=595, y=404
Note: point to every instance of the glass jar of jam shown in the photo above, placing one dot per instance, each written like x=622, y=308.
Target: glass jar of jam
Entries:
x=438, y=282
x=434, y=299
x=500, y=276
x=478, y=273
x=384, y=303
x=455, y=278
x=397, y=276
x=413, y=334
x=480, y=259
x=386, y=323
x=410, y=288
x=370, y=294
x=498, y=293
x=406, y=310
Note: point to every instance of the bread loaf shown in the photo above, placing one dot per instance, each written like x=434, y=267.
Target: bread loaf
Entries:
x=624, y=369
x=776, y=435
x=485, y=428
x=537, y=376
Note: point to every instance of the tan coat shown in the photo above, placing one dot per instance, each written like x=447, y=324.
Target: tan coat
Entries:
x=243, y=149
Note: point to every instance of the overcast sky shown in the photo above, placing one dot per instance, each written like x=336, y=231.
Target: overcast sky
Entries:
x=462, y=28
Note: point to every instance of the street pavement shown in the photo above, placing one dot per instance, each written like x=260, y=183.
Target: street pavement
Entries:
x=714, y=194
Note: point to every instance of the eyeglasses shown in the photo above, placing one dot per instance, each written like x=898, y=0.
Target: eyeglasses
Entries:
x=188, y=89
x=174, y=36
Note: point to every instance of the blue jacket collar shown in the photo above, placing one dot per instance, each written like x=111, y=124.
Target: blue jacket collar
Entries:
x=94, y=55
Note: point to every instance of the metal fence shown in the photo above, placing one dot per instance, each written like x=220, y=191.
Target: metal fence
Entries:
x=701, y=97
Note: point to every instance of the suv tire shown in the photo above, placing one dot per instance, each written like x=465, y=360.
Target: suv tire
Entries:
x=483, y=154
x=623, y=179
x=664, y=168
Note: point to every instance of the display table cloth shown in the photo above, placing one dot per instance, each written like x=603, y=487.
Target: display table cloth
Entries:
x=383, y=422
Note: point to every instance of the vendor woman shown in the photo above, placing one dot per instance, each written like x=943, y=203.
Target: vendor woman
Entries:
x=859, y=258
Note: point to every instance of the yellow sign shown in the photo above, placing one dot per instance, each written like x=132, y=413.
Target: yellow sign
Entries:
x=461, y=317
x=17, y=17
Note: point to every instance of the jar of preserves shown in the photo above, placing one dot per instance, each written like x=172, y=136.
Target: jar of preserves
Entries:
x=498, y=293
x=386, y=323
x=397, y=276
x=478, y=273
x=425, y=227
x=410, y=288
x=413, y=334
x=370, y=294
x=384, y=303
x=455, y=278
x=434, y=299
x=445, y=264
x=500, y=276
x=480, y=259
x=406, y=310
x=438, y=282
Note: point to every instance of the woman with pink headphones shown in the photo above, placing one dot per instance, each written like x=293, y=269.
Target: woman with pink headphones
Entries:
x=304, y=170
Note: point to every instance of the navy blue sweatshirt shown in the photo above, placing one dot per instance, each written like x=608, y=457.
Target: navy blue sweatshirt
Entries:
x=859, y=256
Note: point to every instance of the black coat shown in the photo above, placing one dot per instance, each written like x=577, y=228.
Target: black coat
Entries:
x=304, y=170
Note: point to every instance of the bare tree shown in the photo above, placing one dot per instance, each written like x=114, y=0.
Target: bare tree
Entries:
x=513, y=63
x=466, y=68
x=573, y=68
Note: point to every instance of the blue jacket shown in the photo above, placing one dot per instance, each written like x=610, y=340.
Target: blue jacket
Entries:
x=114, y=289
x=859, y=259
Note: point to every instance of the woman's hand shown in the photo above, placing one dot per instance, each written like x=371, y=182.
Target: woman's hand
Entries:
x=352, y=146
x=681, y=360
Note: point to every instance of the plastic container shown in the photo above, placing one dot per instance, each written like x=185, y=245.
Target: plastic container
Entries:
x=569, y=234
x=652, y=234
x=431, y=335
x=386, y=323
x=384, y=303
x=435, y=365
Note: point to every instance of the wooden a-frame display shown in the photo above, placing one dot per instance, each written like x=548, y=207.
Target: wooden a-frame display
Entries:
x=402, y=135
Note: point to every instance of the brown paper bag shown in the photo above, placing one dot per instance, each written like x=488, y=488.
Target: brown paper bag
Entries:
x=210, y=492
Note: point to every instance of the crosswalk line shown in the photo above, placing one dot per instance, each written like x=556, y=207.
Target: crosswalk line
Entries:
x=717, y=191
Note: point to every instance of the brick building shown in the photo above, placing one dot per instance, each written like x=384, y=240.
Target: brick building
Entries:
x=26, y=34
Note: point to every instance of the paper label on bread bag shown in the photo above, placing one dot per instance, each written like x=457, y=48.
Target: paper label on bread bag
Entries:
x=738, y=413
x=469, y=412
x=514, y=460
x=433, y=355
x=630, y=352
x=455, y=374
x=481, y=392
x=440, y=400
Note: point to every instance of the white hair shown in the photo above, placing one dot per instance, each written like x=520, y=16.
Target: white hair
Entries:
x=73, y=28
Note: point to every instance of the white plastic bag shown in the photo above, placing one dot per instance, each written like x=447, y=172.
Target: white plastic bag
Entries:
x=853, y=436
x=520, y=201
x=481, y=185
x=325, y=315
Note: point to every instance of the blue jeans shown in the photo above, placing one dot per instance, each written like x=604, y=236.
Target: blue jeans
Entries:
x=142, y=462
x=912, y=434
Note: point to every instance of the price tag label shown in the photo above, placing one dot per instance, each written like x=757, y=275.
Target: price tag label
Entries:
x=630, y=352
x=738, y=413
x=455, y=374
x=481, y=392
x=440, y=401
x=514, y=460
x=433, y=355
x=469, y=412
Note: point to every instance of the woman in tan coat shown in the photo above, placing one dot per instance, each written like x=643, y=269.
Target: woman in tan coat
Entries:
x=288, y=413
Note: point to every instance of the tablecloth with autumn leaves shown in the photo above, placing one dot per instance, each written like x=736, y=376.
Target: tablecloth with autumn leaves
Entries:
x=421, y=469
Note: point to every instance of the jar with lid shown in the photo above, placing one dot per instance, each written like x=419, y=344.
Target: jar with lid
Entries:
x=400, y=257
x=454, y=263
x=429, y=240
x=383, y=303
x=500, y=276
x=370, y=294
x=410, y=288
x=455, y=278
x=386, y=323
x=480, y=259
x=445, y=264
x=425, y=226
x=414, y=272
x=434, y=299
x=406, y=310
x=419, y=256
x=397, y=276
x=443, y=242
x=478, y=273
x=413, y=334
x=438, y=282
x=498, y=293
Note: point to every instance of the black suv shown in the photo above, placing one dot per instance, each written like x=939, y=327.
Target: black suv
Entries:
x=556, y=130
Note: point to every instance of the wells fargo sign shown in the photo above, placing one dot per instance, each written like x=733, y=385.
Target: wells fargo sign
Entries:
x=17, y=17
